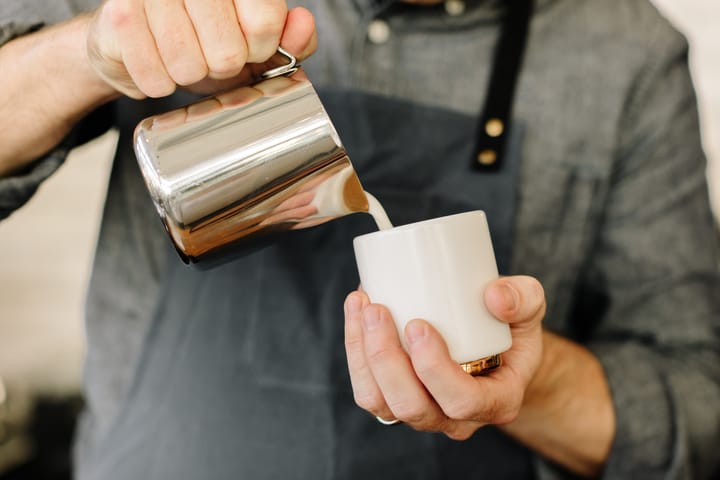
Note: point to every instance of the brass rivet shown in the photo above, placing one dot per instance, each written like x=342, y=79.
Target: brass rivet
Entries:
x=494, y=127
x=487, y=157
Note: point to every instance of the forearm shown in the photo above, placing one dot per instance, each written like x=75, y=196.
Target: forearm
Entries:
x=50, y=86
x=567, y=414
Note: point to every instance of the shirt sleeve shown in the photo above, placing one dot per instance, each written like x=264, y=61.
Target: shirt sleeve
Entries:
x=654, y=281
x=17, y=189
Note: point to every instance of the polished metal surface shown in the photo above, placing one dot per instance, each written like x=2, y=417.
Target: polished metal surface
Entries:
x=249, y=162
x=283, y=70
x=482, y=366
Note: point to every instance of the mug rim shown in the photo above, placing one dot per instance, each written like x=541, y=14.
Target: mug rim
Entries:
x=422, y=224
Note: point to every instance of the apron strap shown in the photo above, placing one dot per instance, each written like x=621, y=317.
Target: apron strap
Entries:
x=495, y=121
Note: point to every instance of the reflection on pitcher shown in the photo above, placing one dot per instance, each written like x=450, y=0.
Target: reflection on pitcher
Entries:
x=327, y=195
x=246, y=163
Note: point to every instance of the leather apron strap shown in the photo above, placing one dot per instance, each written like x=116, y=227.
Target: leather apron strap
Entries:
x=495, y=122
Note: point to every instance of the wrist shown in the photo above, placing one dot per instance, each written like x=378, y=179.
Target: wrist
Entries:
x=567, y=413
x=83, y=88
x=547, y=383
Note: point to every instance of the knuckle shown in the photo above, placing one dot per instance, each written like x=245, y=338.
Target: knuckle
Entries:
x=159, y=89
x=507, y=412
x=187, y=73
x=119, y=14
x=459, y=433
x=353, y=344
x=381, y=354
x=462, y=409
x=263, y=32
x=372, y=402
x=151, y=83
x=494, y=410
x=263, y=26
x=425, y=365
x=227, y=64
x=410, y=413
x=183, y=65
x=499, y=411
x=261, y=52
x=507, y=416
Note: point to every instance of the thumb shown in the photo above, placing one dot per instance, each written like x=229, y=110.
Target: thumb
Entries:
x=516, y=299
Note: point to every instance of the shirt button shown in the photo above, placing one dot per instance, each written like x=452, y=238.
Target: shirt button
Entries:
x=378, y=31
x=454, y=7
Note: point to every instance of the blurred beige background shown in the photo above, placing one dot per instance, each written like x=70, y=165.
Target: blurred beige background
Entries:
x=46, y=248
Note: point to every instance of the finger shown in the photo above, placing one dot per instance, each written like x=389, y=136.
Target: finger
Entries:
x=138, y=55
x=300, y=35
x=391, y=368
x=366, y=392
x=262, y=24
x=299, y=38
x=516, y=299
x=492, y=399
x=176, y=41
x=202, y=109
x=238, y=97
x=221, y=40
x=171, y=119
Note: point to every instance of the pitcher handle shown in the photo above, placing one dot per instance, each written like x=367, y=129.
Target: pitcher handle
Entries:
x=283, y=70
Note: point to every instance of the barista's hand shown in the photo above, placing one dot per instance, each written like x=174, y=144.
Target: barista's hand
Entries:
x=427, y=389
x=147, y=48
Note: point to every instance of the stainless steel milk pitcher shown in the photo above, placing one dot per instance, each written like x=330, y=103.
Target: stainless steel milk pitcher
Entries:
x=228, y=170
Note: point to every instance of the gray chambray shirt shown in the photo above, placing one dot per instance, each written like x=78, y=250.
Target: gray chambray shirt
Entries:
x=239, y=372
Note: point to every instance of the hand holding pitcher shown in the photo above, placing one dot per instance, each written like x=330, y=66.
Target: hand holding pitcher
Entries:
x=148, y=48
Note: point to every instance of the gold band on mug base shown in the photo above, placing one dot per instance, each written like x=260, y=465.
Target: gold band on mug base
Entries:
x=482, y=366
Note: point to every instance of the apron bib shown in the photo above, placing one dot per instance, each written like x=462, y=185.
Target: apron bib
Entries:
x=243, y=373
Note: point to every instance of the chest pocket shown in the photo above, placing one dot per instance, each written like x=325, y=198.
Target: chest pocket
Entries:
x=560, y=204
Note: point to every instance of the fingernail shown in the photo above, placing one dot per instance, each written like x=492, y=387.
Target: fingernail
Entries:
x=354, y=304
x=414, y=332
x=509, y=295
x=371, y=318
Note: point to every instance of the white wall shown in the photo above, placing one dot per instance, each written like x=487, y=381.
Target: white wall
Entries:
x=699, y=20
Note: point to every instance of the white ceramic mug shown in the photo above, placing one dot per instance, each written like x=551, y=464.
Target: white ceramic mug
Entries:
x=437, y=270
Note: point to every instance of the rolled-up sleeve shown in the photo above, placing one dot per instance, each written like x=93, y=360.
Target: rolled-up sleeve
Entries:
x=656, y=264
x=17, y=189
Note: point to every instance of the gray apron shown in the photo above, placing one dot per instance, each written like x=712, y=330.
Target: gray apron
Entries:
x=243, y=373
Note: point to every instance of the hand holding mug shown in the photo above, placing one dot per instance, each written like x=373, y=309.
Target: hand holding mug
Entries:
x=423, y=386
